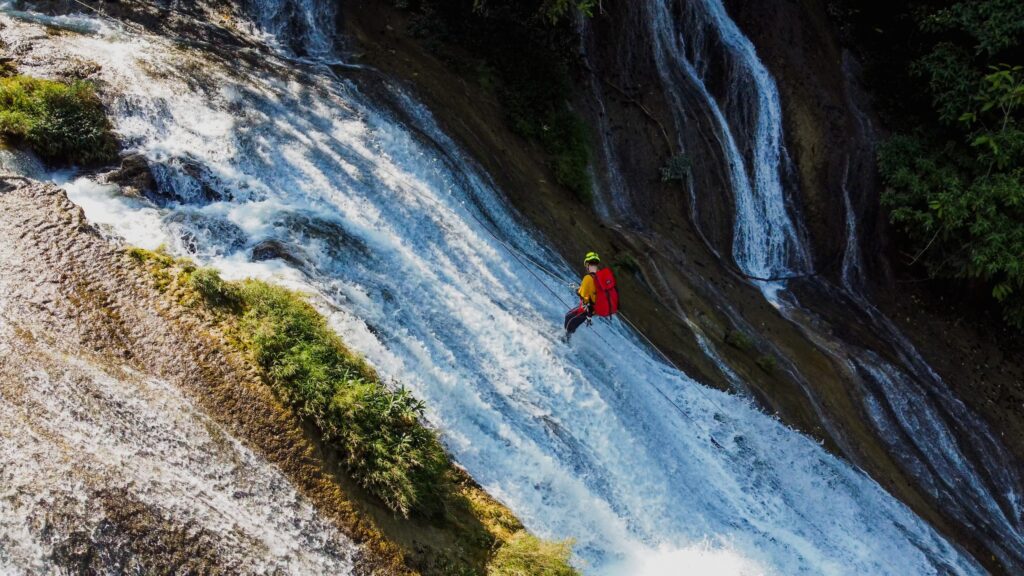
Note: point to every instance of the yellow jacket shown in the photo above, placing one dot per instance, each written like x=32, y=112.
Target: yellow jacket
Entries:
x=588, y=290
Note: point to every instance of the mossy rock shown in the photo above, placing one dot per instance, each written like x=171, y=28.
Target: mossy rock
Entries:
x=64, y=123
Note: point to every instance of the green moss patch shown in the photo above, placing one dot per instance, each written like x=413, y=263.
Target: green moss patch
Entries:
x=526, y=555
x=64, y=123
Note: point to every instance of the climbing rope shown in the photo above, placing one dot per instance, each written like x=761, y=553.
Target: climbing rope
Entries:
x=126, y=23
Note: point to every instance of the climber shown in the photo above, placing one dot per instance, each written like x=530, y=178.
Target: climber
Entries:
x=597, y=292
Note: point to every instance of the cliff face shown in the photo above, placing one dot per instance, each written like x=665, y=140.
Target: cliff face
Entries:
x=830, y=127
x=823, y=355
x=811, y=356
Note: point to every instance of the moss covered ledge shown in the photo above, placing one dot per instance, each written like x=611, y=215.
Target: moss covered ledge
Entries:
x=442, y=521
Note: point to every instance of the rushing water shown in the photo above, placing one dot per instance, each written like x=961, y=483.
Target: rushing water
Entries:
x=747, y=119
x=936, y=438
x=283, y=170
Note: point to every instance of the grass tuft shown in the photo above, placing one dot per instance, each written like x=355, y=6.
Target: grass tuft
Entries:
x=62, y=123
x=526, y=555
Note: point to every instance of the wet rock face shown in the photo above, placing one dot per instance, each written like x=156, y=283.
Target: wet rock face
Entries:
x=645, y=127
x=108, y=463
x=828, y=130
x=272, y=249
x=133, y=176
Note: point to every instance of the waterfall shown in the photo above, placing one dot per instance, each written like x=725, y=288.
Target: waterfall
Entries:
x=275, y=168
x=747, y=119
x=304, y=27
x=969, y=473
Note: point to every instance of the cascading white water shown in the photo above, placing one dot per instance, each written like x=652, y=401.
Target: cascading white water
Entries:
x=82, y=441
x=303, y=26
x=280, y=160
x=684, y=34
x=747, y=120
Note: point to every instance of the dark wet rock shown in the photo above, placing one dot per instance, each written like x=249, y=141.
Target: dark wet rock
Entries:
x=185, y=179
x=273, y=249
x=196, y=229
x=333, y=235
x=8, y=67
x=133, y=176
x=114, y=532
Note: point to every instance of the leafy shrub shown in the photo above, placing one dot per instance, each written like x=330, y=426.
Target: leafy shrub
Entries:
x=950, y=83
x=208, y=283
x=527, y=555
x=63, y=123
x=962, y=206
x=556, y=10
x=385, y=447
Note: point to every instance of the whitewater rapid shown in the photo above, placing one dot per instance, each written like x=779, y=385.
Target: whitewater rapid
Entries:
x=379, y=219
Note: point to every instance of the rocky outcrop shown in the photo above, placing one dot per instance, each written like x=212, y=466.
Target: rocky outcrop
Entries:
x=133, y=176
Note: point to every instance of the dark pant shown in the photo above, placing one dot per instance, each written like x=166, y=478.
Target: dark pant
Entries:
x=575, y=317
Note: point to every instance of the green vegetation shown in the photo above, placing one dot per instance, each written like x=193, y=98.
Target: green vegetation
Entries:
x=767, y=363
x=739, y=341
x=520, y=50
x=385, y=447
x=526, y=555
x=377, y=430
x=676, y=169
x=954, y=169
x=556, y=10
x=626, y=261
x=62, y=123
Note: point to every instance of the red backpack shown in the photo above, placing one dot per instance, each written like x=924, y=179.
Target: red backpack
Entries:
x=607, y=294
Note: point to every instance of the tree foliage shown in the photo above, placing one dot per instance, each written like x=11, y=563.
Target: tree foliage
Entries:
x=955, y=177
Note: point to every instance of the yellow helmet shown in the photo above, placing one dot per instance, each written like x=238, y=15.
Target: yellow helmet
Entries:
x=591, y=257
